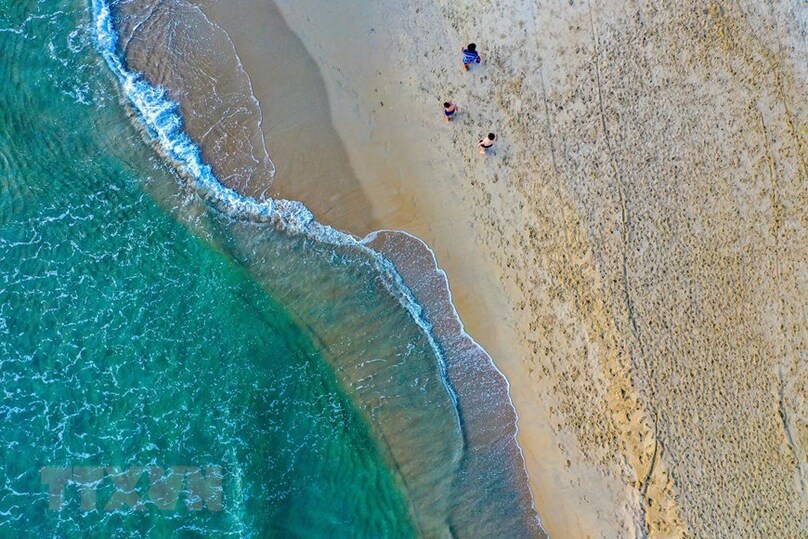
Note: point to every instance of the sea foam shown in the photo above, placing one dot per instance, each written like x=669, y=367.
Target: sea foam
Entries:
x=162, y=119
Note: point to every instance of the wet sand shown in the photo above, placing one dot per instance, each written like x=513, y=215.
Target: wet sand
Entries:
x=632, y=253
x=310, y=158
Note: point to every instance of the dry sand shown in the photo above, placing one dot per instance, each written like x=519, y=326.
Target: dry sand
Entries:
x=633, y=254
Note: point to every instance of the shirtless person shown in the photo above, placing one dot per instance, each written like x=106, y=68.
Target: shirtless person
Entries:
x=450, y=108
x=487, y=143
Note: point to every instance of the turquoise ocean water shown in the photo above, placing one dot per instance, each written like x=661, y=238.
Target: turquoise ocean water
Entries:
x=150, y=318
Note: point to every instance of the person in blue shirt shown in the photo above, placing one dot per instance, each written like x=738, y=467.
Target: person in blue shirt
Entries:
x=470, y=56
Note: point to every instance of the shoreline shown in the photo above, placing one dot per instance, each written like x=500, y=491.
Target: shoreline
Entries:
x=387, y=198
x=158, y=115
x=474, y=372
x=423, y=196
x=621, y=168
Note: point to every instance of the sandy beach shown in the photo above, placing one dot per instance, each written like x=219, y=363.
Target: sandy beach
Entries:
x=632, y=253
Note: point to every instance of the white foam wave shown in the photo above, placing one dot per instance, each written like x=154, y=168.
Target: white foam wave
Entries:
x=163, y=121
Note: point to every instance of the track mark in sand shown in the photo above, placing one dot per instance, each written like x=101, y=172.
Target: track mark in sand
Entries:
x=646, y=481
x=775, y=59
x=629, y=302
x=624, y=203
x=776, y=228
x=783, y=412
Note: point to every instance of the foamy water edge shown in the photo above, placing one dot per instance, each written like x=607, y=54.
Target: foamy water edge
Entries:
x=162, y=120
x=465, y=335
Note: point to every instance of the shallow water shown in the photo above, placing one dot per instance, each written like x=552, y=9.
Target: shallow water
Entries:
x=126, y=340
x=150, y=317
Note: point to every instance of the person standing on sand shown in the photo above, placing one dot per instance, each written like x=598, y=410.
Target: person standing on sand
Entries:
x=450, y=108
x=470, y=56
x=487, y=143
